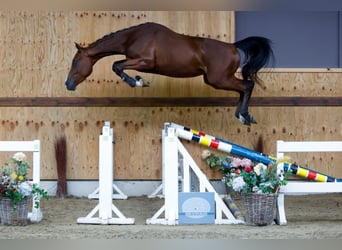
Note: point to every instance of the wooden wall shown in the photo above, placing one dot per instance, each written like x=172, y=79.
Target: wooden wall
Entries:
x=36, y=49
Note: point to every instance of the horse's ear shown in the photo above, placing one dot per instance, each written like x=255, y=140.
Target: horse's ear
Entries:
x=79, y=47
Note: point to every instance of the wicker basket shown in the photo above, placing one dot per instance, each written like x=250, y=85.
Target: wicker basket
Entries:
x=9, y=216
x=260, y=208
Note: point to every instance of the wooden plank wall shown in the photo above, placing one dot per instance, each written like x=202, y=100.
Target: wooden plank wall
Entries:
x=36, y=49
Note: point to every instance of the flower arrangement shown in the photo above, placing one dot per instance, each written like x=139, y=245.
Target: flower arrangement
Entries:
x=14, y=183
x=245, y=176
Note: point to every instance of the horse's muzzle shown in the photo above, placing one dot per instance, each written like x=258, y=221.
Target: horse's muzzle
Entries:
x=70, y=86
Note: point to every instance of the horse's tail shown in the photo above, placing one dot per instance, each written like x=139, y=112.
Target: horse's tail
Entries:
x=258, y=53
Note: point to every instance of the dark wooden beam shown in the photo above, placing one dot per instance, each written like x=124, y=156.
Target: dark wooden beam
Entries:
x=164, y=102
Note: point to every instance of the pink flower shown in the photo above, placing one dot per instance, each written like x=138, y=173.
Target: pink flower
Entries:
x=236, y=162
x=246, y=162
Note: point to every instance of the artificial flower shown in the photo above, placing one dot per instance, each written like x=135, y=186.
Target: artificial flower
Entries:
x=259, y=168
x=20, y=156
x=205, y=154
x=238, y=183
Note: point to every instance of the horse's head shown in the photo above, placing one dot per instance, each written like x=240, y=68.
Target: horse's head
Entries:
x=81, y=67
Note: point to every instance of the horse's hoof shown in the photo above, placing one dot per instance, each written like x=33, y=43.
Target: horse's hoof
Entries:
x=252, y=119
x=246, y=119
x=243, y=120
x=140, y=82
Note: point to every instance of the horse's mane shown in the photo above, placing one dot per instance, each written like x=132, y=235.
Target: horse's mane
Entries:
x=110, y=35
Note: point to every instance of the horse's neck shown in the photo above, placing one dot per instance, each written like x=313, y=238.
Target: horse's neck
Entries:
x=108, y=45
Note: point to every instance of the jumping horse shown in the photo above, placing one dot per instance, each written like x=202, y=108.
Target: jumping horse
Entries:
x=154, y=48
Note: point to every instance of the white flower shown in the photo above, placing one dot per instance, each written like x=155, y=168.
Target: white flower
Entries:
x=20, y=156
x=259, y=168
x=238, y=184
x=280, y=171
x=205, y=154
x=255, y=189
x=25, y=188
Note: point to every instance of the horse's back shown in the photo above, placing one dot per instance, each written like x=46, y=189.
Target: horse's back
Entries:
x=176, y=54
x=151, y=37
x=150, y=29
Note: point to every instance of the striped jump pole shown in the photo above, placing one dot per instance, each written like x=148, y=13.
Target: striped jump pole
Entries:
x=231, y=148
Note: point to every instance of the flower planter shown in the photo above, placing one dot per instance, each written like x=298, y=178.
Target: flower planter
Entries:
x=260, y=208
x=9, y=216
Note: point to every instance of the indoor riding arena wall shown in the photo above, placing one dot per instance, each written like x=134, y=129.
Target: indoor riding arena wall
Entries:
x=36, y=49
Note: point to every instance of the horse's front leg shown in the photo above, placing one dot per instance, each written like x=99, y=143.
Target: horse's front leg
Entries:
x=118, y=68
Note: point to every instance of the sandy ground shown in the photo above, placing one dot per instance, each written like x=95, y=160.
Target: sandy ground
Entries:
x=309, y=217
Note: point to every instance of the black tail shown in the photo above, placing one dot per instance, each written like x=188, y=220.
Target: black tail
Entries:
x=258, y=53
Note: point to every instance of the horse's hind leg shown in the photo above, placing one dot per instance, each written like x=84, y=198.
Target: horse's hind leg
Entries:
x=118, y=68
x=245, y=94
x=243, y=87
x=242, y=108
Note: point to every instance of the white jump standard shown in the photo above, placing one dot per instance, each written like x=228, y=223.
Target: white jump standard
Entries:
x=105, y=207
x=168, y=214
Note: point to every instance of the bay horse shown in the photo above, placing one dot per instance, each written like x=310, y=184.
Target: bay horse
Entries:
x=154, y=48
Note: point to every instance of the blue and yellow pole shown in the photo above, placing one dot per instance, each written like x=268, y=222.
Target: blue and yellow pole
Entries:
x=231, y=148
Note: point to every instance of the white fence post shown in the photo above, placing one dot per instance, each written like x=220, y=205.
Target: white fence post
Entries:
x=105, y=207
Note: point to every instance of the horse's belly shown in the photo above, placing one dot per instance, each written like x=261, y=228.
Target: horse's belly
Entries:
x=185, y=71
x=179, y=66
x=176, y=72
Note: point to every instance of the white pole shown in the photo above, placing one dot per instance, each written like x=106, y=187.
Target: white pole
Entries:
x=106, y=172
x=36, y=215
x=171, y=174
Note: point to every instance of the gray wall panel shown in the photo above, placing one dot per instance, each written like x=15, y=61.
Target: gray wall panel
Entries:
x=303, y=39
